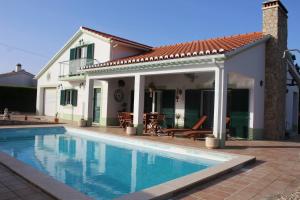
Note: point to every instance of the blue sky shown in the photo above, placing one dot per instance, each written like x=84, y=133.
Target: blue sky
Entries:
x=32, y=31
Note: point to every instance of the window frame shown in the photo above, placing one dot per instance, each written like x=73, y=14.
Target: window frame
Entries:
x=69, y=99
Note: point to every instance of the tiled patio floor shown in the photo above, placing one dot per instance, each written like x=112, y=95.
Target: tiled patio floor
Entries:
x=13, y=187
x=277, y=170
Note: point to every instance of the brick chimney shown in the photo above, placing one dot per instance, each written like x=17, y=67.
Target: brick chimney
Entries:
x=275, y=24
x=18, y=67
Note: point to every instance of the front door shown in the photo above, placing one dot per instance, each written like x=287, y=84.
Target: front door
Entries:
x=239, y=112
x=96, y=109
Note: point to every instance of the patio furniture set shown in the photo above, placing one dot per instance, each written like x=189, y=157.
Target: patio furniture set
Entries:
x=153, y=124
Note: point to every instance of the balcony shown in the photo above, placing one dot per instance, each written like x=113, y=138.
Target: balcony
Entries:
x=70, y=69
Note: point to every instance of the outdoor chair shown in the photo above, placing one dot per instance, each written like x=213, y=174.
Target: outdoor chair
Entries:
x=6, y=115
x=155, y=124
x=125, y=119
x=202, y=133
x=197, y=126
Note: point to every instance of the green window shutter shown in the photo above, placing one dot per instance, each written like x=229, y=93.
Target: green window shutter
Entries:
x=63, y=97
x=90, y=54
x=73, y=54
x=74, y=97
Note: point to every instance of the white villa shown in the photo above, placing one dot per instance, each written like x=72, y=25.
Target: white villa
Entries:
x=245, y=77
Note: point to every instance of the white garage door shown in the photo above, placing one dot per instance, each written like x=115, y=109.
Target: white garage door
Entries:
x=50, y=101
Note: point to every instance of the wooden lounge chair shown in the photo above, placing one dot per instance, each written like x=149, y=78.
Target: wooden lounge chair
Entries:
x=203, y=132
x=197, y=126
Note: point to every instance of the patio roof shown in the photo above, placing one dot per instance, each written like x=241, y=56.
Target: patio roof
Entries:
x=213, y=46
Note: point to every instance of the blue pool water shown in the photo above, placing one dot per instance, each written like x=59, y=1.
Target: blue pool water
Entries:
x=98, y=168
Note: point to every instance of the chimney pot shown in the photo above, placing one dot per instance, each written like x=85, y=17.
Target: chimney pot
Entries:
x=18, y=67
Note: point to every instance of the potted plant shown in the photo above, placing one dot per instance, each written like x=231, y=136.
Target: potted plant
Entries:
x=177, y=116
x=130, y=130
x=211, y=142
x=82, y=123
x=56, y=120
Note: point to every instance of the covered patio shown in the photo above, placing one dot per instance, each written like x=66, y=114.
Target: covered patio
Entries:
x=183, y=91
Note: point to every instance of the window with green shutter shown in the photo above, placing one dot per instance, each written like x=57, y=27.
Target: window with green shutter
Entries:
x=90, y=54
x=73, y=54
x=74, y=97
x=68, y=97
x=85, y=51
x=63, y=97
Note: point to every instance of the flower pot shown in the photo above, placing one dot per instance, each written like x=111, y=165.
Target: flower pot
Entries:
x=56, y=120
x=130, y=130
x=82, y=123
x=211, y=143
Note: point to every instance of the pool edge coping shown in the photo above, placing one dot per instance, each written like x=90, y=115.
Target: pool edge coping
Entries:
x=44, y=182
x=169, y=189
x=165, y=190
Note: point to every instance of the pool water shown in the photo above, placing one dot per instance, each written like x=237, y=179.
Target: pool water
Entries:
x=100, y=169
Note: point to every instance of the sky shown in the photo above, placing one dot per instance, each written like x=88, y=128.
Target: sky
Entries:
x=32, y=31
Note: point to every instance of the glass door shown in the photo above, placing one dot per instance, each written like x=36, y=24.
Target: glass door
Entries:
x=96, y=109
x=192, y=107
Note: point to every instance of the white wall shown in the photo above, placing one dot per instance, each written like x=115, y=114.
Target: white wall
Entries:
x=50, y=78
x=121, y=51
x=291, y=108
x=250, y=64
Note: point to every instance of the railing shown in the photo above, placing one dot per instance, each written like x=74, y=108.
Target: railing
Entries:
x=72, y=67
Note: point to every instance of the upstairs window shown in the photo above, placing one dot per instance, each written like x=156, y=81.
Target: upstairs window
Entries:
x=85, y=52
x=68, y=97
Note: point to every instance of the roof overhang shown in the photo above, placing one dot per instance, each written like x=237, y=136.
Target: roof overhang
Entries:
x=248, y=46
x=67, y=45
x=158, y=65
x=56, y=56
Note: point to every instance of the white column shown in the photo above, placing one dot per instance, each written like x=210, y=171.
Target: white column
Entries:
x=256, y=110
x=220, y=105
x=138, y=110
x=88, y=101
x=40, y=101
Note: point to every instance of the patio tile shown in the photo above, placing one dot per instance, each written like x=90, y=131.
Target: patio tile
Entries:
x=13, y=187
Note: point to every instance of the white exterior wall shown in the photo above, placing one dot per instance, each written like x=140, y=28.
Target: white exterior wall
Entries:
x=50, y=78
x=121, y=51
x=250, y=64
x=291, y=108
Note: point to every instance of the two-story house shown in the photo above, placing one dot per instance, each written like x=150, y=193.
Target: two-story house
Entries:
x=244, y=77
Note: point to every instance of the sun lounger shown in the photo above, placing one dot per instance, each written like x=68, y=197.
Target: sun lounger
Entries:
x=202, y=133
x=197, y=126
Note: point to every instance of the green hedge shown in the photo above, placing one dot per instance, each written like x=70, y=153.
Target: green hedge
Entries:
x=17, y=99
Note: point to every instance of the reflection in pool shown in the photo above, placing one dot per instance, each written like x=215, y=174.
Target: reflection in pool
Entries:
x=100, y=169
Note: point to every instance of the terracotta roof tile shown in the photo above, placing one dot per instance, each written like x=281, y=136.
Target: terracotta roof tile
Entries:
x=194, y=48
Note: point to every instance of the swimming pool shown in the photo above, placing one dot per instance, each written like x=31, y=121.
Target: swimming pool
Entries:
x=99, y=165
